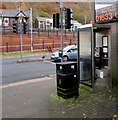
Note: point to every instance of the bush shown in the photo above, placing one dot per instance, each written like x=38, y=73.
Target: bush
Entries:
x=44, y=14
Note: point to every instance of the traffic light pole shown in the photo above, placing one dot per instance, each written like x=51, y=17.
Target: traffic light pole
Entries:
x=21, y=45
x=61, y=36
x=20, y=37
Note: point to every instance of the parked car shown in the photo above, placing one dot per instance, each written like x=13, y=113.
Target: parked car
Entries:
x=69, y=53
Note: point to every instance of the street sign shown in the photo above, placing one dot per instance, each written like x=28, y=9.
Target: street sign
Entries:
x=90, y=21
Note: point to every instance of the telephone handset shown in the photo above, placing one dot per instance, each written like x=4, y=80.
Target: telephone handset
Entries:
x=98, y=57
x=98, y=52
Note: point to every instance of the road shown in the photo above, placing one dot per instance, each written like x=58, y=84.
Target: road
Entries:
x=14, y=72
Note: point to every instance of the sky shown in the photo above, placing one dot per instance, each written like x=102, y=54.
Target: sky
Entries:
x=103, y=3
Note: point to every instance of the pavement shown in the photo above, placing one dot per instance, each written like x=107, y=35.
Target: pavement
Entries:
x=37, y=98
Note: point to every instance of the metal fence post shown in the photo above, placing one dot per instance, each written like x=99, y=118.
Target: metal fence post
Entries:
x=4, y=29
x=53, y=43
x=65, y=33
x=57, y=33
x=6, y=46
x=38, y=32
x=70, y=41
x=33, y=45
x=28, y=31
x=43, y=44
x=73, y=34
x=48, y=33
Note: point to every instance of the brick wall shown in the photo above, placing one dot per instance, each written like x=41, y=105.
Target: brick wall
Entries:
x=11, y=43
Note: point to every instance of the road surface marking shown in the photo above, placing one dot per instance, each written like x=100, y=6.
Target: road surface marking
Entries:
x=25, y=82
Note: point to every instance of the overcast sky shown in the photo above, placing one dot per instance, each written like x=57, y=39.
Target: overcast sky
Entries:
x=103, y=3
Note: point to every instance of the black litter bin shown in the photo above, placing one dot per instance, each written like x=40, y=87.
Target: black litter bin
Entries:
x=67, y=80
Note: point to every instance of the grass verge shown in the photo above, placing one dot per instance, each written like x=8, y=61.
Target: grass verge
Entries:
x=17, y=53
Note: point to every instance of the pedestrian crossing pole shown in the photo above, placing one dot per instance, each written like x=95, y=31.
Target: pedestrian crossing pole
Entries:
x=61, y=27
x=20, y=30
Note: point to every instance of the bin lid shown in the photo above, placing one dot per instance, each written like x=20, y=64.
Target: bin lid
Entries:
x=66, y=63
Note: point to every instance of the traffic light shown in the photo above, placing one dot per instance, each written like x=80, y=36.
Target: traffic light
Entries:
x=15, y=28
x=25, y=28
x=53, y=20
x=68, y=18
x=56, y=20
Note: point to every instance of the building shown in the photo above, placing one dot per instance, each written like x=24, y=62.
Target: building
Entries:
x=11, y=16
x=47, y=23
x=75, y=25
x=98, y=44
x=44, y=23
x=105, y=30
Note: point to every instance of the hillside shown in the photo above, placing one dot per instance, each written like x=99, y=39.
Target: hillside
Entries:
x=80, y=9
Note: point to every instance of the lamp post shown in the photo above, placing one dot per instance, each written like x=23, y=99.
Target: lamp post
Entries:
x=31, y=28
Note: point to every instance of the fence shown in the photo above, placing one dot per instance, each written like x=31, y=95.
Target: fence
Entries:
x=41, y=39
x=9, y=30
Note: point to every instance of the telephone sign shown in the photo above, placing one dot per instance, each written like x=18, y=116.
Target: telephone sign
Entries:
x=107, y=14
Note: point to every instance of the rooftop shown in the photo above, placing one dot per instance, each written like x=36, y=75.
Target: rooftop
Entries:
x=13, y=13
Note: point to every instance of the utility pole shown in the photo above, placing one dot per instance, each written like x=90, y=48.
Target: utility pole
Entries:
x=61, y=36
x=31, y=28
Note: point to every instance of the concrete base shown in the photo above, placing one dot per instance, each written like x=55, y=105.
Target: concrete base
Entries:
x=103, y=82
x=30, y=60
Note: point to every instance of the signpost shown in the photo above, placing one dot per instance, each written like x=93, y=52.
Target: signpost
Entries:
x=21, y=28
x=61, y=36
x=58, y=23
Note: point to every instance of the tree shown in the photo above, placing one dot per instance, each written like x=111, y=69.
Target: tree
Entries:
x=76, y=16
x=79, y=18
x=24, y=6
x=2, y=6
x=44, y=14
